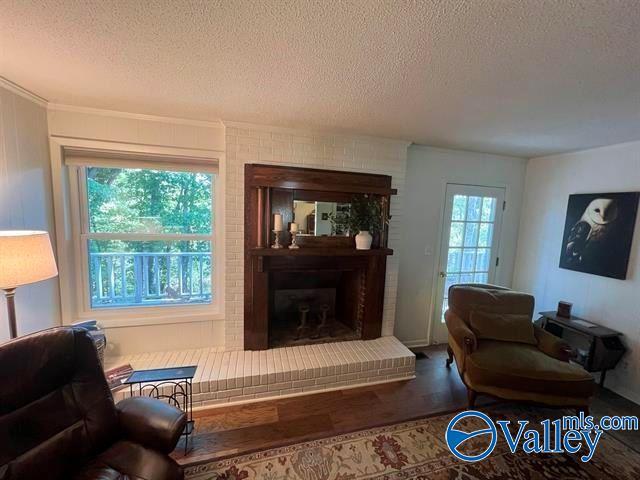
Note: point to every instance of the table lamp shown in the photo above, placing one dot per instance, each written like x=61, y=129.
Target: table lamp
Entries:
x=26, y=257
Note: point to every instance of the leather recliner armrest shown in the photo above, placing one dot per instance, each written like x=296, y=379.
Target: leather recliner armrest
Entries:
x=460, y=332
x=553, y=346
x=151, y=422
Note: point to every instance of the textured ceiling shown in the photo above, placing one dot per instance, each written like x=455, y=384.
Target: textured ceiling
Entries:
x=514, y=77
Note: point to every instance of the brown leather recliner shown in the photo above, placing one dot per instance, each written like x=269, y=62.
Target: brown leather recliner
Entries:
x=499, y=352
x=58, y=419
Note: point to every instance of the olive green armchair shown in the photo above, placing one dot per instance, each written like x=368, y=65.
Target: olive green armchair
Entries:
x=499, y=351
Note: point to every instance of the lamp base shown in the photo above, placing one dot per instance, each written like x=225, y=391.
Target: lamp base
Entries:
x=10, y=294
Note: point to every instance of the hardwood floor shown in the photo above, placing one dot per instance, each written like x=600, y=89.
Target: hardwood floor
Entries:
x=239, y=429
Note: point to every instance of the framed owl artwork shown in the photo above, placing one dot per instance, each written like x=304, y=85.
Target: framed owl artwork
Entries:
x=598, y=233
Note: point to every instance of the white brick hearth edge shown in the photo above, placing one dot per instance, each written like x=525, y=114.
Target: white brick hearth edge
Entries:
x=232, y=377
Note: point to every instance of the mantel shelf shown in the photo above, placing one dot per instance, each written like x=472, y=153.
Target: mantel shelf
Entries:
x=318, y=252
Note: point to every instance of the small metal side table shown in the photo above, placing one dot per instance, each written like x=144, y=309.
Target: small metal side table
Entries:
x=175, y=385
x=603, y=346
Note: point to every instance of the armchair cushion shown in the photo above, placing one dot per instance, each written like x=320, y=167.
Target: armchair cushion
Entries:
x=464, y=299
x=508, y=327
x=151, y=422
x=523, y=367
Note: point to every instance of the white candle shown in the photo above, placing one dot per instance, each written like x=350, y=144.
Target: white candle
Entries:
x=294, y=227
x=277, y=222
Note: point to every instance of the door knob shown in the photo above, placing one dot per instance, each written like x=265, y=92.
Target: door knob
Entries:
x=443, y=274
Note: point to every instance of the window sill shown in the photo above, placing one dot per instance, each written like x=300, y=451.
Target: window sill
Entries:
x=116, y=319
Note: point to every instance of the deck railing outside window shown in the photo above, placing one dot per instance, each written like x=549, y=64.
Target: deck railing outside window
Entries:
x=134, y=279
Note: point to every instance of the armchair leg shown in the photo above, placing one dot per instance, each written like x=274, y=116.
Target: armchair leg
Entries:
x=450, y=359
x=471, y=397
x=584, y=410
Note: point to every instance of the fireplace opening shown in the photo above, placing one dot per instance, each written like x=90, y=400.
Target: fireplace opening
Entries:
x=309, y=307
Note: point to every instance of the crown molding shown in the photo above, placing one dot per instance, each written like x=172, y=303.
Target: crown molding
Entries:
x=444, y=149
x=135, y=116
x=60, y=107
x=23, y=92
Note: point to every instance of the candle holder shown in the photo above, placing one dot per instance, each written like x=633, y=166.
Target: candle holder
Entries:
x=294, y=245
x=276, y=243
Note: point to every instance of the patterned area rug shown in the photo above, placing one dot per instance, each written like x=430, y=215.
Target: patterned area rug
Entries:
x=417, y=449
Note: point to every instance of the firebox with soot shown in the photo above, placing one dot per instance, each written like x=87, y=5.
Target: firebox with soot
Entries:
x=315, y=307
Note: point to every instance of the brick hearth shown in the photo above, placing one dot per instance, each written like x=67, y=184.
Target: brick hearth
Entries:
x=223, y=378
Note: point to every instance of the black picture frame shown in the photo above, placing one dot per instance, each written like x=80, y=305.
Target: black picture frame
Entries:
x=598, y=233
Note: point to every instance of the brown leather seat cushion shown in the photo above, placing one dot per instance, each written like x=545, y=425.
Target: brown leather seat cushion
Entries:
x=132, y=461
x=523, y=367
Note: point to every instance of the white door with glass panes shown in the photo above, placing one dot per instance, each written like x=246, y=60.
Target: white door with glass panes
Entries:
x=469, y=245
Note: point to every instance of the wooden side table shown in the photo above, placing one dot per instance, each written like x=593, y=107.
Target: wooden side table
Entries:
x=171, y=384
x=603, y=346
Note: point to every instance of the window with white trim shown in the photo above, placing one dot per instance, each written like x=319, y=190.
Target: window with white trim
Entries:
x=146, y=233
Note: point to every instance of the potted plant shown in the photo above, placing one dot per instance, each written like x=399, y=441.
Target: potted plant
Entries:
x=365, y=217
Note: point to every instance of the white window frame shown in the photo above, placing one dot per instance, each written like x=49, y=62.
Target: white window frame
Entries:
x=72, y=231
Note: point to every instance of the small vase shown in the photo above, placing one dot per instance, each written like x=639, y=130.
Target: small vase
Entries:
x=363, y=240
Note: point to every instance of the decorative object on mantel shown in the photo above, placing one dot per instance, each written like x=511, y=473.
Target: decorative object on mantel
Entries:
x=326, y=262
x=276, y=242
x=363, y=240
x=277, y=222
x=564, y=309
x=26, y=257
x=277, y=228
x=294, y=233
x=598, y=233
x=366, y=216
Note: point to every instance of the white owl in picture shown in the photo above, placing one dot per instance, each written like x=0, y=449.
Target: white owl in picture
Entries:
x=598, y=233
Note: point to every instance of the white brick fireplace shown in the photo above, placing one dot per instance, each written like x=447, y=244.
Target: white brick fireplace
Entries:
x=246, y=143
x=226, y=374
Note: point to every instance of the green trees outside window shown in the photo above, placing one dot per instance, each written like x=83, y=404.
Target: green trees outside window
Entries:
x=149, y=236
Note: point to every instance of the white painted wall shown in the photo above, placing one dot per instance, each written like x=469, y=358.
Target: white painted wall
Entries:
x=613, y=303
x=127, y=129
x=26, y=202
x=428, y=171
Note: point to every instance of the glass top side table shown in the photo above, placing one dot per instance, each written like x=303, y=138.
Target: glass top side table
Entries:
x=174, y=385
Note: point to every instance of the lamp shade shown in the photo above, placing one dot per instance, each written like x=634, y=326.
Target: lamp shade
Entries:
x=26, y=257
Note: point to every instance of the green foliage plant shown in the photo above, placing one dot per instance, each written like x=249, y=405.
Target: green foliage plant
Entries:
x=365, y=213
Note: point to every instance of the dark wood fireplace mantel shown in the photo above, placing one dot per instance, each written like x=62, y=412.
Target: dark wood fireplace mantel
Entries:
x=319, y=252
x=273, y=189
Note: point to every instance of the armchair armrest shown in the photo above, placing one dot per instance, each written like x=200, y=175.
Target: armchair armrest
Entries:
x=460, y=332
x=151, y=422
x=551, y=345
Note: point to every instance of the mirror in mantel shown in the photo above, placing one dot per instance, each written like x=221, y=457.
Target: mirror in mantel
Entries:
x=320, y=219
